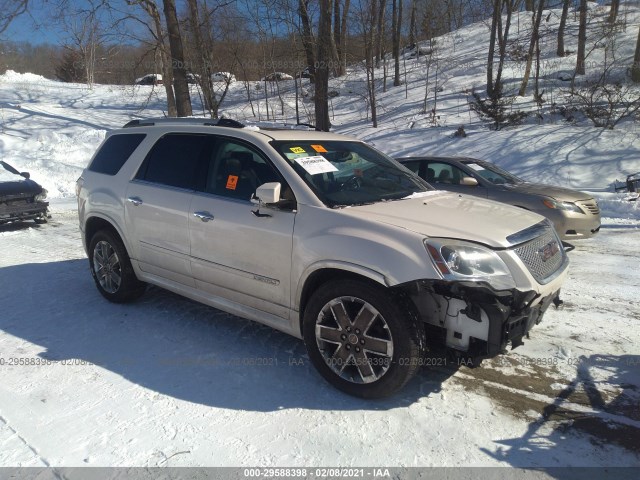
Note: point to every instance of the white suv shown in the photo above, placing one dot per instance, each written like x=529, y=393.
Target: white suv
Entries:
x=317, y=235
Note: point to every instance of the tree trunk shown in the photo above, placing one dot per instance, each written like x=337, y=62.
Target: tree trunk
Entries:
x=343, y=35
x=307, y=37
x=412, y=23
x=151, y=8
x=337, y=39
x=322, y=68
x=396, y=29
x=210, y=101
x=370, y=66
x=613, y=13
x=380, y=31
x=503, y=46
x=335, y=57
x=535, y=33
x=563, y=22
x=183, y=99
x=635, y=68
x=497, y=6
x=529, y=5
x=582, y=38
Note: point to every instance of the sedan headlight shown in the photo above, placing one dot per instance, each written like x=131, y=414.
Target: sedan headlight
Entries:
x=457, y=260
x=41, y=197
x=568, y=206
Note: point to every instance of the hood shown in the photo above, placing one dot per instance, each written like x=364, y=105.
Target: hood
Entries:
x=559, y=193
x=19, y=187
x=450, y=215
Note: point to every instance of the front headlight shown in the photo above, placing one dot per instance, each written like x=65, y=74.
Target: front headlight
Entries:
x=568, y=206
x=457, y=260
x=41, y=197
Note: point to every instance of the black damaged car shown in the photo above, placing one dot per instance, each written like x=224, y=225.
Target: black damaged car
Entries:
x=20, y=197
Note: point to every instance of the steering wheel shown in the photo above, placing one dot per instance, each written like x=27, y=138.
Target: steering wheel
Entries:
x=352, y=183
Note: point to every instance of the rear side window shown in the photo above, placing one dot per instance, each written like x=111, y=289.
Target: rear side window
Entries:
x=175, y=160
x=115, y=152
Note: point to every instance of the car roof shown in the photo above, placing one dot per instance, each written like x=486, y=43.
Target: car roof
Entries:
x=275, y=131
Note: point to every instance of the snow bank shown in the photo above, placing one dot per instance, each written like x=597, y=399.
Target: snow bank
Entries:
x=11, y=76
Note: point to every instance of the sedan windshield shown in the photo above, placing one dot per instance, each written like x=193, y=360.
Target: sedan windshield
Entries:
x=493, y=174
x=344, y=173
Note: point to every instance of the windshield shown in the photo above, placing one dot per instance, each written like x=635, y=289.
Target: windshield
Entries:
x=493, y=174
x=344, y=173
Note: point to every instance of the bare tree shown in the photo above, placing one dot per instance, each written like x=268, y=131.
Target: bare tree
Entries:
x=86, y=37
x=340, y=23
x=324, y=57
x=413, y=23
x=202, y=51
x=162, y=52
x=533, y=45
x=635, y=68
x=563, y=23
x=494, y=87
x=613, y=12
x=307, y=36
x=396, y=29
x=379, y=43
x=10, y=9
x=582, y=38
x=183, y=98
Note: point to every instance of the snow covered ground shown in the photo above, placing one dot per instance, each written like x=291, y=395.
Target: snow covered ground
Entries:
x=168, y=382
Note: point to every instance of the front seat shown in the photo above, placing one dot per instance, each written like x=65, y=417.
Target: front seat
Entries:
x=444, y=177
x=236, y=178
x=431, y=175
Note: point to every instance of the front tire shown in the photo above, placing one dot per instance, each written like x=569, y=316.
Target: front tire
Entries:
x=111, y=268
x=361, y=338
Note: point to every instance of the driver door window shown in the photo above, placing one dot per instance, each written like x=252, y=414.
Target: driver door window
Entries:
x=236, y=170
x=444, y=173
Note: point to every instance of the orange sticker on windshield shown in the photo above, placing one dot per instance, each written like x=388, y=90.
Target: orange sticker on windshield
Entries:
x=357, y=172
x=297, y=150
x=319, y=148
x=232, y=182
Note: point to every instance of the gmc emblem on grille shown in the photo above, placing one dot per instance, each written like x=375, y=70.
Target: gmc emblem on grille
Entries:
x=549, y=250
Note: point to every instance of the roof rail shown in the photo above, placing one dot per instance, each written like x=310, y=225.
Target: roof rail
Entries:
x=209, y=122
x=281, y=126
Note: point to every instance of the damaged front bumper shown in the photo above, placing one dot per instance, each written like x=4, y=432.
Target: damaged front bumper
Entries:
x=474, y=320
x=23, y=210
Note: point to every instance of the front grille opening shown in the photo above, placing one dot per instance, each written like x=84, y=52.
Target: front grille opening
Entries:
x=535, y=255
x=591, y=207
x=571, y=232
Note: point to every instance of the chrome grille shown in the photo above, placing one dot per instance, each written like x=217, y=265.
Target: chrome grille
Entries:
x=543, y=255
x=590, y=206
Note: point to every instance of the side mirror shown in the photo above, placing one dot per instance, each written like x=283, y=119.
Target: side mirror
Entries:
x=25, y=175
x=469, y=181
x=267, y=193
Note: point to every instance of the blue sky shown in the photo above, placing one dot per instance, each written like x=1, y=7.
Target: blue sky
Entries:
x=38, y=26
x=33, y=29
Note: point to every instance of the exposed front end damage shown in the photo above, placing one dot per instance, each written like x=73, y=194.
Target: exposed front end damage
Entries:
x=15, y=208
x=475, y=321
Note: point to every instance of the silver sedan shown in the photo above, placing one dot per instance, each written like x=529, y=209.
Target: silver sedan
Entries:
x=574, y=214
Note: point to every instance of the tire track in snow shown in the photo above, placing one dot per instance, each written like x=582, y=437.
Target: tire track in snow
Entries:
x=30, y=447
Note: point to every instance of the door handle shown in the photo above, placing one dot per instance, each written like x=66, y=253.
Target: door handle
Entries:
x=204, y=216
x=135, y=200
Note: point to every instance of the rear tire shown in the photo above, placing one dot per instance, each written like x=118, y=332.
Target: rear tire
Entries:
x=362, y=339
x=111, y=268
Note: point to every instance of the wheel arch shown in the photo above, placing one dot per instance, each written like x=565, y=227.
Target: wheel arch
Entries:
x=314, y=277
x=96, y=223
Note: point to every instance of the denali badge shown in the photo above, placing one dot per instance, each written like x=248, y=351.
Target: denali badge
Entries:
x=549, y=250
